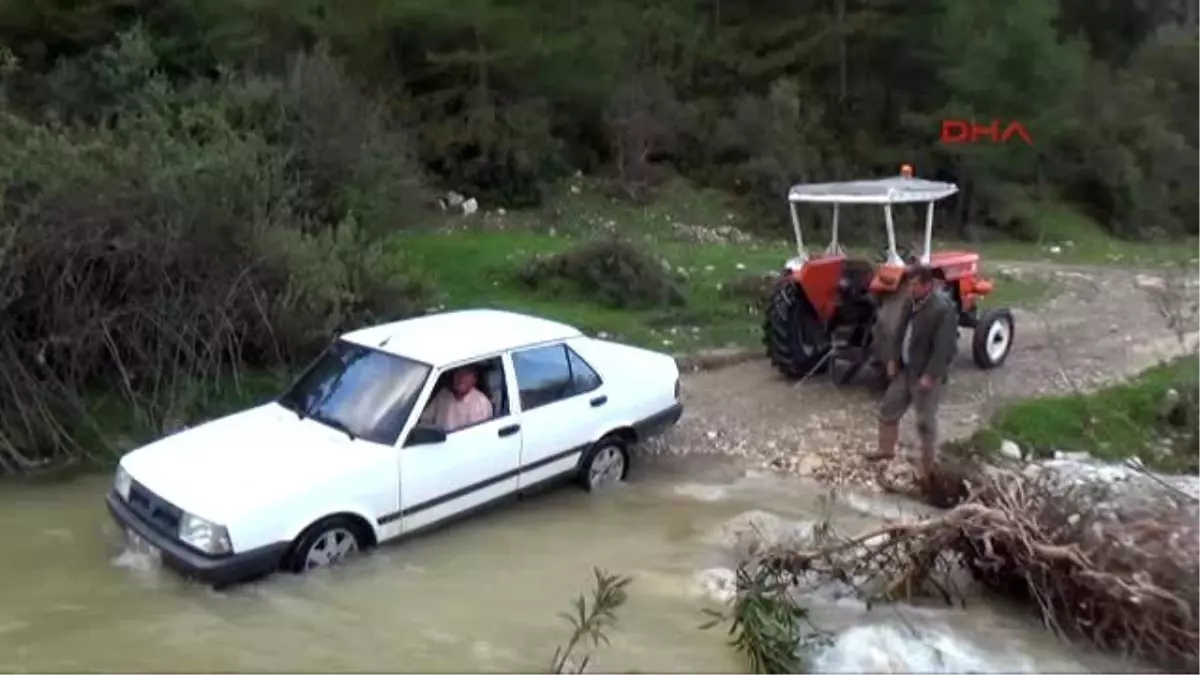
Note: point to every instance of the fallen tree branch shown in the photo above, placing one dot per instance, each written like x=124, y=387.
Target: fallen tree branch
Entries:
x=1117, y=572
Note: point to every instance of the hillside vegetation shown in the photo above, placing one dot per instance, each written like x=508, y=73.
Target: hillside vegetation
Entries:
x=197, y=191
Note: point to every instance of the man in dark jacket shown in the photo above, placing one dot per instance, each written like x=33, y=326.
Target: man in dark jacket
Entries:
x=921, y=355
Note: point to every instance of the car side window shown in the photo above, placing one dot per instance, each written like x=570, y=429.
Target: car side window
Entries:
x=543, y=375
x=583, y=377
x=552, y=373
x=452, y=410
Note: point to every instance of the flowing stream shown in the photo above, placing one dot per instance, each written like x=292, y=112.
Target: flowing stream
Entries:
x=482, y=595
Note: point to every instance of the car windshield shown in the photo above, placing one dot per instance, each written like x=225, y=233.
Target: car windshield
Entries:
x=362, y=391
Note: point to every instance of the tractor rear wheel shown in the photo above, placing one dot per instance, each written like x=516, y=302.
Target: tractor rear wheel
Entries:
x=993, y=339
x=795, y=339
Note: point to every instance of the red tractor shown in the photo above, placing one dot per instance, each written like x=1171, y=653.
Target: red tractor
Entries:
x=828, y=308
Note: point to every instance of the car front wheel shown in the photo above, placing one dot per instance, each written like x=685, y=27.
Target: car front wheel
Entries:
x=606, y=464
x=326, y=543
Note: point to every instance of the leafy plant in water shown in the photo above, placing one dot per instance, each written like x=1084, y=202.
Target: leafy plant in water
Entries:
x=767, y=626
x=590, y=623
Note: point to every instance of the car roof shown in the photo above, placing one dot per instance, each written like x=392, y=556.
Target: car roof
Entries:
x=450, y=337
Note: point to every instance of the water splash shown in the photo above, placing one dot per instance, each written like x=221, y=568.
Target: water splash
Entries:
x=138, y=557
x=704, y=493
x=887, y=648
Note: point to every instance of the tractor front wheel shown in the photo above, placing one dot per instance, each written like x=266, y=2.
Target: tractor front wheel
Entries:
x=993, y=339
x=795, y=339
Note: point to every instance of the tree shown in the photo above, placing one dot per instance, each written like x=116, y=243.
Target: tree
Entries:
x=1006, y=66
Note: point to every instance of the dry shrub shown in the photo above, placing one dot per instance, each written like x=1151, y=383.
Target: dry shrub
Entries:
x=173, y=246
x=1111, y=561
x=612, y=272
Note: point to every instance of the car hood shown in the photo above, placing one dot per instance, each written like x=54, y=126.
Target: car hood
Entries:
x=247, y=459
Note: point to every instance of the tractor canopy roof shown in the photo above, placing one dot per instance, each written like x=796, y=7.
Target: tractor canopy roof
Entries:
x=893, y=190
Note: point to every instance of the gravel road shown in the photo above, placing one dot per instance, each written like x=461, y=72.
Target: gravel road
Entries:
x=1100, y=325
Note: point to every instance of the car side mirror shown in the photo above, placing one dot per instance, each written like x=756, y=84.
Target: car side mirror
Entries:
x=425, y=435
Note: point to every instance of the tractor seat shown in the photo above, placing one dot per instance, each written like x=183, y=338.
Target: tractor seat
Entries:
x=856, y=277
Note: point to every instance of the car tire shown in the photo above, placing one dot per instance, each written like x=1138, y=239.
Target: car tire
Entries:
x=605, y=464
x=326, y=543
x=993, y=339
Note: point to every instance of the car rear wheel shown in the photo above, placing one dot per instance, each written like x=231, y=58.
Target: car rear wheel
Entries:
x=325, y=544
x=795, y=340
x=993, y=339
x=606, y=464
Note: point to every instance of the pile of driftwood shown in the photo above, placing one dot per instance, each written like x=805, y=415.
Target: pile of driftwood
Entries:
x=1107, y=554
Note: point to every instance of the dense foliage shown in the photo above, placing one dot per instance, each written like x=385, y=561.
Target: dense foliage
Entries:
x=191, y=186
x=501, y=96
x=156, y=236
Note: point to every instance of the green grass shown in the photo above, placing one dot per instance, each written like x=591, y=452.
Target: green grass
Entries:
x=1010, y=291
x=1115, y=423
x=479, y=269
x=582, y=206
x=1080, y=241
x=474, y=262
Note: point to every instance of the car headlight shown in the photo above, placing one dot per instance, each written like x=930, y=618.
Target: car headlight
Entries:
x=204, y=535
x=122, y=483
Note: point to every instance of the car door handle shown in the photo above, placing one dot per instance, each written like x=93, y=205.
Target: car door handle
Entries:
x=599, y=401
x=509, y=430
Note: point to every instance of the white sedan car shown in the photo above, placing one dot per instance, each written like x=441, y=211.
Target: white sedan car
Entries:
x=345, y=459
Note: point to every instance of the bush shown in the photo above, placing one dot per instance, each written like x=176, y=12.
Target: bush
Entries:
x=348, y=153
x=176, y=244
x=754, y=289
x=612, y=272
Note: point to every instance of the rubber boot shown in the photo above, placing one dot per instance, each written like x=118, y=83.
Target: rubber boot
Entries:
x=928, y=464
x=889, y=434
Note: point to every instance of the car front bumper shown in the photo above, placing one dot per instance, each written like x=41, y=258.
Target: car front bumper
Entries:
x=217, y=571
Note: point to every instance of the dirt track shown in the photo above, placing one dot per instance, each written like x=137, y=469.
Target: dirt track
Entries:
x=1101, y=325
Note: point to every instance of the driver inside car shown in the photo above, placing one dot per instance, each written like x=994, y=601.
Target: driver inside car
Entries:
x=458, y=405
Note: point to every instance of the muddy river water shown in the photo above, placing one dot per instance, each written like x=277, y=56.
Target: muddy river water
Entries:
x=478, y=596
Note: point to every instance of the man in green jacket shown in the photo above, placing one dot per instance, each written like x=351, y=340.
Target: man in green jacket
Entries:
x=922, y=352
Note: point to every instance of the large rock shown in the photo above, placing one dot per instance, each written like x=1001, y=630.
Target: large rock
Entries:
x=1010, y=449
x=1173, y=408
x=1125, y=487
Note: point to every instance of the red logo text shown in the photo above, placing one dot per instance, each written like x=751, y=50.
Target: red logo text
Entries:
x=998, y=132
